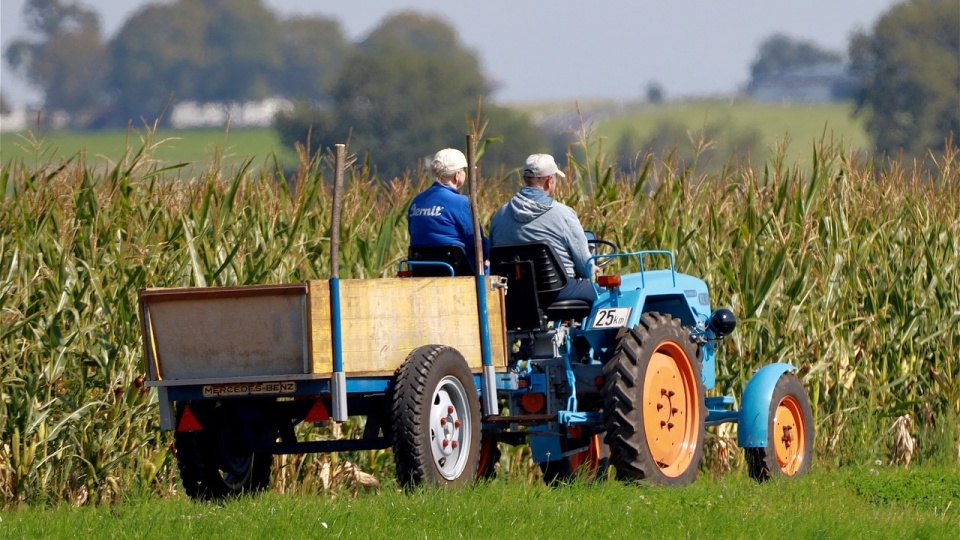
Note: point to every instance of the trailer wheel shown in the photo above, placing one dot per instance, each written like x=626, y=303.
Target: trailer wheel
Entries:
x=789, y=450
x=436, y=414
x=210, y=466
x=654, y=404
x=591, y=463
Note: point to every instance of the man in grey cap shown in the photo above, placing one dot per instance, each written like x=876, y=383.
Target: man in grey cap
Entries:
x=532, y=215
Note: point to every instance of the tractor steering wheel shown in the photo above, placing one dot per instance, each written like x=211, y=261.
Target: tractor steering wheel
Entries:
x=610, y=249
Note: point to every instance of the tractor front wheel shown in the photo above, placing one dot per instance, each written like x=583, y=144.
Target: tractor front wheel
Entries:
x=436, y=418
x=789, y=450
x=654, y=404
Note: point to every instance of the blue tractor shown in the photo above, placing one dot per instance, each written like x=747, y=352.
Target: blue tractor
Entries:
x=623, y=382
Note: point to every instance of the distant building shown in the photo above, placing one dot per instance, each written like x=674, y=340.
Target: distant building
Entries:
x=822, y=83
x=22, y=118
x=190, y=114
x=15, y=120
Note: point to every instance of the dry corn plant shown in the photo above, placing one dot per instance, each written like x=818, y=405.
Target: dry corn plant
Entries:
x=721, y=454
x=904, y=445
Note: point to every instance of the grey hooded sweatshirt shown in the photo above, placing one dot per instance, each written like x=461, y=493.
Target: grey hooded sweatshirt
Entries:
x=533, y=216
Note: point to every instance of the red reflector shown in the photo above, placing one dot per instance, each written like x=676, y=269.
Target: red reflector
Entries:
x=533, y=402
x=318, y=413
x=188, y=422
x=405, y=273
x=609, y=282
x=598, y=382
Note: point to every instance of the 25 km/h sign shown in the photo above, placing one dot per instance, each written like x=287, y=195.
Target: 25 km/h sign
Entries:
x=611, y=317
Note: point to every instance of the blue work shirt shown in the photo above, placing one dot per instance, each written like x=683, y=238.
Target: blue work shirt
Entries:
x=440, y=216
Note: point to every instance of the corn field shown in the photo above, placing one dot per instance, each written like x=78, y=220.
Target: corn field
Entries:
x=845, y=268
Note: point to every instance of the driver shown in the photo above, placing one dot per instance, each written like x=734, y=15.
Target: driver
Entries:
x=532, y=215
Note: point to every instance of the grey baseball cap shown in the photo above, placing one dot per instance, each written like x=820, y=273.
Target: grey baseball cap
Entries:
x=540, y=165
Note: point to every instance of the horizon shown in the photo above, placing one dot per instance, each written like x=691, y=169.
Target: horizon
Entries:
x=613, y=54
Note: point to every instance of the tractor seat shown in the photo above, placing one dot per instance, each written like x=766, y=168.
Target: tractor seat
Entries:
x=565, y=310
x=455, y=256
x=534, y=279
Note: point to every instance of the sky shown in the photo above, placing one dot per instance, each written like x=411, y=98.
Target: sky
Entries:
x=559, y=50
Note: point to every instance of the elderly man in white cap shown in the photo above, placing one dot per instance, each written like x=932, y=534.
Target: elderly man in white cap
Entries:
x=532, y=215
x=440, y=216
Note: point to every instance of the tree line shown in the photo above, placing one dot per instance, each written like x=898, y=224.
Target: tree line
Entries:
x=410, y=86
x=199, y=50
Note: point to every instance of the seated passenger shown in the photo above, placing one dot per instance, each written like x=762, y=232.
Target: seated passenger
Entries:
x=532, y=215
x=440, y=216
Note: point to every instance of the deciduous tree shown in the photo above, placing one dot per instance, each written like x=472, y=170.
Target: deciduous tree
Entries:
x=65, y=58
x=202, y=50
x=405, y=92
x=910, y=66
x=312, y=50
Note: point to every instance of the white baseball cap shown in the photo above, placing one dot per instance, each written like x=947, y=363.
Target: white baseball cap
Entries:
x=448, y=161
x=540, y=165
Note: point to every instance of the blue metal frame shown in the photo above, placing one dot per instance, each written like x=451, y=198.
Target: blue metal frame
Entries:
x=336, y=329
x=411, y=264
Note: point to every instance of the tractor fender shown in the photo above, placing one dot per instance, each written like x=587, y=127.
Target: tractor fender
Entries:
x=753, y=421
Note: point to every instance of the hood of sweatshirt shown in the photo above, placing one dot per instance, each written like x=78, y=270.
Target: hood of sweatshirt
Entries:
x=529, y=204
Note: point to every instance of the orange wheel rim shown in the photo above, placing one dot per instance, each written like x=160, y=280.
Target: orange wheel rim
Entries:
x=671, y=409
x=789, y=435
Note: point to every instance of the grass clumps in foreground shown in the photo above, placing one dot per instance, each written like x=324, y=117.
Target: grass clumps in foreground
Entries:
x=845, y=503
x=937, y=489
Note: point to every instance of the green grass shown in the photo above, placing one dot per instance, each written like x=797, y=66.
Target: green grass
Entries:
x=846, y=503
x=197, y=147
x=800, y=125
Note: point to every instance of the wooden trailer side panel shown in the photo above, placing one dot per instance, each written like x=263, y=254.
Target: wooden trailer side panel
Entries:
x=383, y=320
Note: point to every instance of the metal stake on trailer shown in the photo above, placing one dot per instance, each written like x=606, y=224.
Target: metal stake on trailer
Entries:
x=338, y=382
x=488, y=384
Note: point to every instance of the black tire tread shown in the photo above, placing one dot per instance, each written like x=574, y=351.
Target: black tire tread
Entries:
x=411, y=404
x=622, y=412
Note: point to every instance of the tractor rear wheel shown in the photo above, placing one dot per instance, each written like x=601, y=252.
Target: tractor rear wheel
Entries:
x=591, y=463
x=654, y=404
x=436, y=418
x=213, y=464
x=789, y=450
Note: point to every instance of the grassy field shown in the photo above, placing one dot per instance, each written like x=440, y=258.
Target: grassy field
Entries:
x=796, y=125
x=874, y=502
x=803, y=124
x=197, y=147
